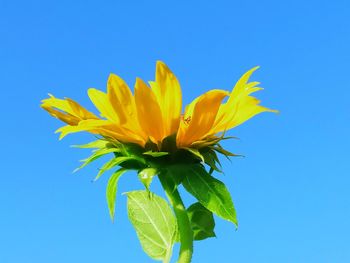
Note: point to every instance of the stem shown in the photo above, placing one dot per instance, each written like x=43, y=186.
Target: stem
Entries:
x=168, y=256
x=186, y=233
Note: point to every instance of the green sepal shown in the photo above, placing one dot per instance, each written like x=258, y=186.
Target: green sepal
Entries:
x=98, y=144
x=135, y=152
x=155, y=154
x=206, y=142
x=134, y=163
x=151, y=146
x=96, y=155
x=218, y=148
x=154, y=222
x=111, y=191
x=211, y=159
x=131, y=149
x=210, y=192
x=146, y=176
x=112, y=163
x=211, y=141
x=195, y=152
x=169, y=144
x=202, y=221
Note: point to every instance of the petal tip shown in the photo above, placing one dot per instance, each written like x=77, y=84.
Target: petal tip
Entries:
x=255, y=68
x=160, y=63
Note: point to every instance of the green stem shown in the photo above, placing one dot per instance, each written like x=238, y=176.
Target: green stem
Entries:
x=168, y=256
x=186, y=233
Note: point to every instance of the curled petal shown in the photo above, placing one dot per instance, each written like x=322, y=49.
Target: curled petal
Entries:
x=65, y=117
x=66, y=110
x=240, y=106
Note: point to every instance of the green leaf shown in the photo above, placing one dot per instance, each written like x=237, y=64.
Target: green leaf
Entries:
x=195, y=152
x=156, y=154
x=154, y=222
x=97, y=154
x=210, y=192
x=112, y=163
x=111, y=190
x=146, y=175
x=202, y=221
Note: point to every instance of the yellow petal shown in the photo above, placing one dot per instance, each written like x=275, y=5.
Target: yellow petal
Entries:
x=240, y=86
x=60, y=104
x=200, y=117
x=66, y=110
x=168, y=93
x=120, y=98
x=240, y=106
x=65, y=117
x=101, y=102
x=148, y=111
x=123, y=102
x=247, y=109
x=80, y=111
x=104, y=128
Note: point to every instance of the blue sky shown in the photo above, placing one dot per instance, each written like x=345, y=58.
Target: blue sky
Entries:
x=291, y=191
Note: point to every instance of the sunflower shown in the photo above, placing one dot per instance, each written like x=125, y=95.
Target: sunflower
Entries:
x=153, y=112
x=148, y=133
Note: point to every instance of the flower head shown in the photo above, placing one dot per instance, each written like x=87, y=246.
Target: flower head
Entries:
x=153, y=112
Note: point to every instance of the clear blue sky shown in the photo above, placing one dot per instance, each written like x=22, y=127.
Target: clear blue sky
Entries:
x=291, y=190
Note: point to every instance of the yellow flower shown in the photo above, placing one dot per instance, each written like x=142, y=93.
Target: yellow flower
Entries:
x=154, y=112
